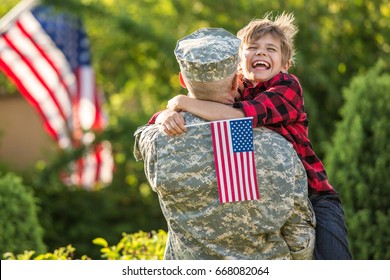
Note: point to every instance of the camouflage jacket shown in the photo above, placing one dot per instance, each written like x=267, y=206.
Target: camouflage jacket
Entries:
x=180, y=169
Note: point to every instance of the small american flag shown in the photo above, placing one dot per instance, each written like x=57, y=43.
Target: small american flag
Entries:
x=234, y=160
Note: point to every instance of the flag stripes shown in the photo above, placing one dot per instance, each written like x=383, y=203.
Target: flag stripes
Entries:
x=35, y=76
x=46, y=55
x=235, y=170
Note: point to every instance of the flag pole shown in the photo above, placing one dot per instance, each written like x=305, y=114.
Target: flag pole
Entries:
x=203, y=123
x=23, y=5
x=196, y=124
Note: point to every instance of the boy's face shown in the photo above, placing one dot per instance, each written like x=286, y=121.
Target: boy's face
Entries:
x=261, y=60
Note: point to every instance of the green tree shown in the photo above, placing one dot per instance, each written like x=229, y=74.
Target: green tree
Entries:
x=358, y=163
x=20, y=227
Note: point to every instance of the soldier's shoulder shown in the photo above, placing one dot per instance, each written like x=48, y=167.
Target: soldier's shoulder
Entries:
x=146, y=131
x=192, y=119
x=266, y=134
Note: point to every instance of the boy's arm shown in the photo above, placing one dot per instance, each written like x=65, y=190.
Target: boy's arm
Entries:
x=154, y=117
x=209, y=110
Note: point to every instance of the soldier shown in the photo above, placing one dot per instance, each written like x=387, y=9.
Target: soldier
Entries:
x=181, y=170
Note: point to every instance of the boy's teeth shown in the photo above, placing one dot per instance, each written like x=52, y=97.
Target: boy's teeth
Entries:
x=260, y=63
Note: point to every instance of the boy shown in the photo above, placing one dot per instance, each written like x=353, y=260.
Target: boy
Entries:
x=274, y=99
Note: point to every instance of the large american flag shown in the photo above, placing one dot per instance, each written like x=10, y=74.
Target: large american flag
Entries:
x=234, y=160
x=46, y=55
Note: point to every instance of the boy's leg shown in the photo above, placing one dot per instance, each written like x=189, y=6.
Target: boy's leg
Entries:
x=331, y=231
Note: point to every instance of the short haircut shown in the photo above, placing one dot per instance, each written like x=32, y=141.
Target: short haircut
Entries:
x=210, y=91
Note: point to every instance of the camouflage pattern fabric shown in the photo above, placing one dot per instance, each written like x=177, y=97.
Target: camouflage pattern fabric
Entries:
x=181, y=171
x=208, y=54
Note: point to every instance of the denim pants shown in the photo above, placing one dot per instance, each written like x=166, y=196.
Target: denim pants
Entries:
x=331, y=230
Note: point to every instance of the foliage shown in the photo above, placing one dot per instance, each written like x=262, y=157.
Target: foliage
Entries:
x=17, y=204
x=137, y=246
x=358, y=163
x=78, y=216
x=63, y=253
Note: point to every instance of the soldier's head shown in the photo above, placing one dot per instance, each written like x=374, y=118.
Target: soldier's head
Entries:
x=208, y=60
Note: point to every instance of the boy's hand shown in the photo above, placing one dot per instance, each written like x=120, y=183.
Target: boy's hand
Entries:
x=171, y=122
x=178, y=103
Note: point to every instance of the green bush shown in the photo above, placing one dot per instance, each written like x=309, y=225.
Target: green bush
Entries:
x=358, y=163
x=137, y=246
x=76, y=217
x=63, y=253
x=20, y=227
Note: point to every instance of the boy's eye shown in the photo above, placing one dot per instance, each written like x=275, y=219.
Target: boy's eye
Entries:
x=251, y=48
x=271, y=49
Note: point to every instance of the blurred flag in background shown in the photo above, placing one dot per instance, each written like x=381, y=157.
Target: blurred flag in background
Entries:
x=46, y=55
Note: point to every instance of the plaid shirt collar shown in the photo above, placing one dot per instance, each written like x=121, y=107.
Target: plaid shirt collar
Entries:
x=251, y=90
x=266, y=84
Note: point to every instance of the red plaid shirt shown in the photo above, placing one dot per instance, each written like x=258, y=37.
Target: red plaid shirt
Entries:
x=278, y=105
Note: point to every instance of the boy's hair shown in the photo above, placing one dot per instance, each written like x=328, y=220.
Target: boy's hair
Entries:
x=282, y=26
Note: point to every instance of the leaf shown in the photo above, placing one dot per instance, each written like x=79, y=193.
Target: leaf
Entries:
x=100, y=241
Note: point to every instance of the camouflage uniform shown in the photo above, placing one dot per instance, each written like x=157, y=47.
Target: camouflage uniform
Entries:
x=181, y=171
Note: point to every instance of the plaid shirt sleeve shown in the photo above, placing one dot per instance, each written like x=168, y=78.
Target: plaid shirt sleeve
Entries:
x=153, y=118
x=276, y=101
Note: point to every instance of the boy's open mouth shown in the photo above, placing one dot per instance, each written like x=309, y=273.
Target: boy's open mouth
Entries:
x=261, y=64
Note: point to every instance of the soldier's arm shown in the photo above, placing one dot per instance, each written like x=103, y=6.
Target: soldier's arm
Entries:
x=299, y=230
x=145, y=149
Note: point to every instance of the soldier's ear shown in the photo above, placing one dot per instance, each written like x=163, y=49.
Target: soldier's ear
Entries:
x=182, y=82
x=235, y=82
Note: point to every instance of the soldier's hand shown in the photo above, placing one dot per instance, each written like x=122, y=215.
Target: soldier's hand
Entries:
x=171, y=122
